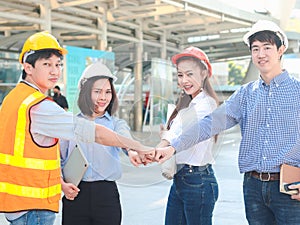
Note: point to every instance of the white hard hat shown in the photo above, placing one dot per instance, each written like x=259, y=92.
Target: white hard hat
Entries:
x=93, y=70
x=262, y=25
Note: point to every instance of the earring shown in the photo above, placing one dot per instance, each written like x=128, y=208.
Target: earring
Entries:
x=182, y=93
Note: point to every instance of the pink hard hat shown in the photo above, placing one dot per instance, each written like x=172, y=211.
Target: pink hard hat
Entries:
x=196, y=53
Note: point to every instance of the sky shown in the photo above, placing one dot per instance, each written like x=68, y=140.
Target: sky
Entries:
x=287, y=11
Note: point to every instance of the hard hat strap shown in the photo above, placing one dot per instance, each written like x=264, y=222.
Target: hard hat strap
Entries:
x=280, y=37
x=26, y=54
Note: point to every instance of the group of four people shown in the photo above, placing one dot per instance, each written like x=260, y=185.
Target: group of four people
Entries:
x=32, y=127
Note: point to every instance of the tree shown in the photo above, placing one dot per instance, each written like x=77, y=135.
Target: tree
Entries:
x=236, y=73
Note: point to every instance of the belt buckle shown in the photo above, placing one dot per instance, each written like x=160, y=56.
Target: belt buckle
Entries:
x=262, y=179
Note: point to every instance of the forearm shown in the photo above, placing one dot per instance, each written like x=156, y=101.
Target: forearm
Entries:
x=163, y=143
x=203, y=129
x=63, y=184
x=108, y=137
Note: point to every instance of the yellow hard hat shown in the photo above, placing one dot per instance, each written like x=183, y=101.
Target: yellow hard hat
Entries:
x=39, y=41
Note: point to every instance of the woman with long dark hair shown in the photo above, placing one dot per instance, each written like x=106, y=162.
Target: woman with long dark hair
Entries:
x=194, y=190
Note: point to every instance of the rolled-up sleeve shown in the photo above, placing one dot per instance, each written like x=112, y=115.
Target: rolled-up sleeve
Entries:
x=51, y=121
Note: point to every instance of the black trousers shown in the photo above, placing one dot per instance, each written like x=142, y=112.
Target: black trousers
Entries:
x=97, y=203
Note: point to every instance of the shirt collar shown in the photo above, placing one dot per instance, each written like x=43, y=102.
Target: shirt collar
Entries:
x=106, y=115
x=30, y=84
x=278, y=80
x=198, y=98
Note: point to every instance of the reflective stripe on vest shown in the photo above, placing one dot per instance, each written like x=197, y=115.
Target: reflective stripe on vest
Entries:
x=31, y=192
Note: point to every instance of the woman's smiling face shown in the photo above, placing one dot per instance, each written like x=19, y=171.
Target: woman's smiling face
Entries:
x=101, y=95
x=190, y=77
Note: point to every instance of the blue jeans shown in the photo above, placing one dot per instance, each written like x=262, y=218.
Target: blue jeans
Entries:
x=265, y=205
x=192, y=197
x=35, y=217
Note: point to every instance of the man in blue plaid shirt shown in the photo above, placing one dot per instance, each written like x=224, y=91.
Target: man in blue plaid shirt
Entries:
x=268, y=112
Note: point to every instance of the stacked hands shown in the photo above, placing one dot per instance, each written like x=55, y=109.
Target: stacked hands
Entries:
x=159, y=154
x=146, y=155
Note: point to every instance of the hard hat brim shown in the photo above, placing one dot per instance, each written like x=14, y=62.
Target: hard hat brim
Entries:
x=187, y=54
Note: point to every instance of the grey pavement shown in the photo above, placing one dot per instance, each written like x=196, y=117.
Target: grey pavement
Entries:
x=144, y=192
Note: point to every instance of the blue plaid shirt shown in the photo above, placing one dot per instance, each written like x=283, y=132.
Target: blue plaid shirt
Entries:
x=268, y=116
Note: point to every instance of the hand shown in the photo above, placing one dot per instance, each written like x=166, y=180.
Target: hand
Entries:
x=148, y=157
x=163, y=154
x=295, y=196
x=70, y=190
x=134, y=158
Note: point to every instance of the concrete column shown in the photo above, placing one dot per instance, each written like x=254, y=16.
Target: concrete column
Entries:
x=163, y=41
x=46, y=16
x=138, y=81
x=102, y=39
x=251, y=74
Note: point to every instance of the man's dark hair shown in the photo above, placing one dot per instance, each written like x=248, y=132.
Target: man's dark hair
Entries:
x=85, y=103
x=266, y=36
x=57, y=87
x=40, y=54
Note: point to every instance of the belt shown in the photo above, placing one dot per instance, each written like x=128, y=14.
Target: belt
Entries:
x=265, y=176
x=192, y=168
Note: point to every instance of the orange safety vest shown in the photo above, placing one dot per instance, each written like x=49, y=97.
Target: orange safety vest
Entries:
x=29, y=173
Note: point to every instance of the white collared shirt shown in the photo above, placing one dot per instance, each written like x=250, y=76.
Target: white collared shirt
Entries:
x=201, y=153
